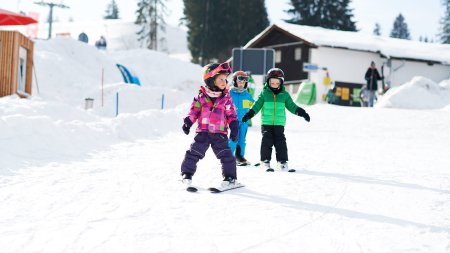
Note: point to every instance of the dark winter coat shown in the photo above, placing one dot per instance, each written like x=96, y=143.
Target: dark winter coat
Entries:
x=372, y=76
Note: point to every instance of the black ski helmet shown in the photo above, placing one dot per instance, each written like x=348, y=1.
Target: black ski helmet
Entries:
x=240, y=74
x=212, y=70
x=275, y=73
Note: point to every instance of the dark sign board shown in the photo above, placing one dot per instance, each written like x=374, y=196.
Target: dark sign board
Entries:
x=256, y=60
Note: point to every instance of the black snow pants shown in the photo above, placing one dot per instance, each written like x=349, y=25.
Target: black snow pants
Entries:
x=273, y=136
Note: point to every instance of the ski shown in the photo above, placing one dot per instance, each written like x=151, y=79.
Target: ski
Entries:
x=225, y=188
x=191, y=189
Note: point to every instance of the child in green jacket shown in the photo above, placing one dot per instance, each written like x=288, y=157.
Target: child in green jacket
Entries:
x=273, y=101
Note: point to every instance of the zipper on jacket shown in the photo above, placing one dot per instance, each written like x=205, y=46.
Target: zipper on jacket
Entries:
x=274, y=108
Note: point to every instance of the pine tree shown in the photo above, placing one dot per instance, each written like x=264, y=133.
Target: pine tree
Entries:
x=150, y=15
x=214, y=32
x=445, y=22
x=400, y=28
x=197, y=16
x=332, y=14
x=377, y=30
x=112, y=11
x=248, y=18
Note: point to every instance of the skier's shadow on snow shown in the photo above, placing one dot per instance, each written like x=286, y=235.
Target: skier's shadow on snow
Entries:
x=369, y=180
x=324, y=209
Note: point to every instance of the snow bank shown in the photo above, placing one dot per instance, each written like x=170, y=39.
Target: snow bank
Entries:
x=70, y=71
x=158, y=69
x=419, y=93
x=54, y=121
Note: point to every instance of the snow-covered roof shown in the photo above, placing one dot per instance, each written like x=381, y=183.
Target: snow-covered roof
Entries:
x=388, y=47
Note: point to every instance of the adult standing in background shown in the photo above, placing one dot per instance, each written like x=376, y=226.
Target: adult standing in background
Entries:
x=372, y=76
x=101, y=43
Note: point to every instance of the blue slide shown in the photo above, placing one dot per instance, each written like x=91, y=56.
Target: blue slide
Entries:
x=128, y=76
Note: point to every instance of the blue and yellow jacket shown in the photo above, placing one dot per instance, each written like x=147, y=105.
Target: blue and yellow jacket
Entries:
x=243, y=102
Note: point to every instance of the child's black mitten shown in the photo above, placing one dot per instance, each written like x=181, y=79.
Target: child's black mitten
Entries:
x=302, y=113
x=187, y=125
x=248, y=115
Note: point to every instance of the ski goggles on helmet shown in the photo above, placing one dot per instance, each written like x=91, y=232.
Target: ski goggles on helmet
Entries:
x=242, y=78
x=276, y=73
x=222, y=68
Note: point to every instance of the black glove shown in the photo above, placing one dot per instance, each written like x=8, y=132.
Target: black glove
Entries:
x=248, y=115
x=302, y=113
x=234, y=130
x=187, y=125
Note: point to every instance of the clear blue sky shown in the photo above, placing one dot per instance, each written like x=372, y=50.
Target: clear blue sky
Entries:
x=422, y=16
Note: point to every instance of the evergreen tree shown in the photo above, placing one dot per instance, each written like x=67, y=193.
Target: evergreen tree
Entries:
x=400, y=28
x=332, y=14
x=445, y=22
x=150, y=15
x=247, y=19
x=377, y=30
x=215, y=27
x=112, y=11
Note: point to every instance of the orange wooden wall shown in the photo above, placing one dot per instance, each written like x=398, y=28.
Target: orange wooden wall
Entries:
x=10, y=42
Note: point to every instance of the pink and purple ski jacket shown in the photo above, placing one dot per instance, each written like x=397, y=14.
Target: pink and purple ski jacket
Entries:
x=212, y=117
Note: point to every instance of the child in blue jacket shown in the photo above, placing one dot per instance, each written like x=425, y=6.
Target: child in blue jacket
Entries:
x=243, y=101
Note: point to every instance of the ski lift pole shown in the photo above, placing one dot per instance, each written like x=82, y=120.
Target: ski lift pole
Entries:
x=162, y=101
x=117, y=103
x=103, y=74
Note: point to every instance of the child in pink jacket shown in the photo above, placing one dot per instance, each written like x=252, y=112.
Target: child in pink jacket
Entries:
x=215, y=112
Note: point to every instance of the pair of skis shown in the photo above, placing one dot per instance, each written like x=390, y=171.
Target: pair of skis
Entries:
x=219, y=189
x=273, y=170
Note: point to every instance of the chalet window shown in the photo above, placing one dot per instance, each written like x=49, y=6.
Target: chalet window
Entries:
x=22, y=70
x=277, y=56
x=298, y=54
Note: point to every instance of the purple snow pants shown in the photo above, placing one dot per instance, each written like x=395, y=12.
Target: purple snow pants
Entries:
x=219, y=144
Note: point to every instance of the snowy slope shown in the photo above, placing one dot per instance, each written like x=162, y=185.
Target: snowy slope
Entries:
x=369, y=189
x=75, y=180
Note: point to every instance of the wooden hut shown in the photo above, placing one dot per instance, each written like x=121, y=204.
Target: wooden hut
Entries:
x=16, y=64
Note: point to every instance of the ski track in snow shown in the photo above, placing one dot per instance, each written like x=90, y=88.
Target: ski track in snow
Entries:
x=355, y=190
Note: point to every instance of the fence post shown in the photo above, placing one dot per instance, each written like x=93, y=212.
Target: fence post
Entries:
x=162, y=102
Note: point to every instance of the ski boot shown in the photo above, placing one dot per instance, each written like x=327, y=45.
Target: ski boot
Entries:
x=266, y=166
x=186, y=179
x=283, y=166
x=228, y=181
x=241, y=161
